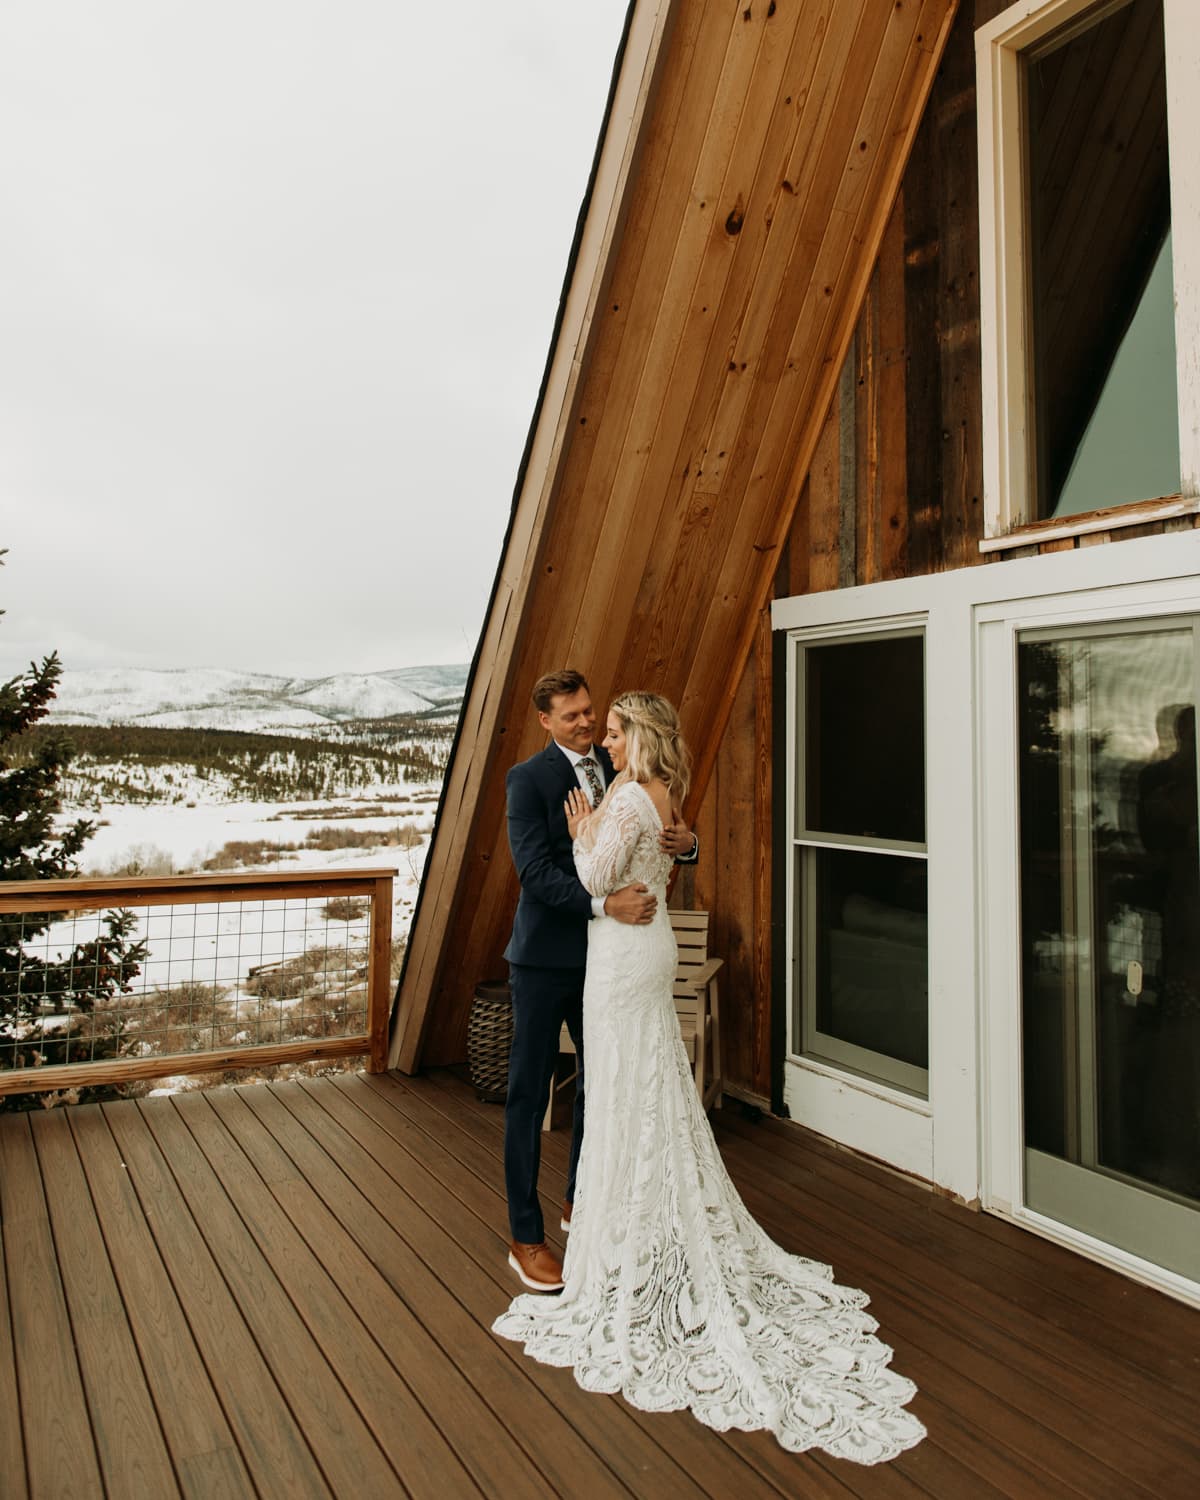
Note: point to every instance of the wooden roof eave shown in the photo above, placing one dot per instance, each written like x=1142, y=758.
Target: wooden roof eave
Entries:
x=647, y=26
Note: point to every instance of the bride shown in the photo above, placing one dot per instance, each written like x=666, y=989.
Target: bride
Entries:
x=672, y=1294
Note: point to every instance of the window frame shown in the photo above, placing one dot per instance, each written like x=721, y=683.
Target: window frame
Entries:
x=966, y=1137
x=805, y=1044
x=1008, y=458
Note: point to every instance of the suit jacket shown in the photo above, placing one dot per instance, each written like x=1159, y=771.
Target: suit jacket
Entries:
x=550, y=927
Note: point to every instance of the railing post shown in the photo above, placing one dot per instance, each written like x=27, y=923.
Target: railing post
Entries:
x=379, y=980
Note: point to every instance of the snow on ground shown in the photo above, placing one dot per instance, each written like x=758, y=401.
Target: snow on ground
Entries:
x=252, y=720
x=220, y=944
x=190, y=835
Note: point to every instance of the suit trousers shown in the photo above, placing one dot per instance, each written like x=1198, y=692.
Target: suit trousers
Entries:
x=542, y=999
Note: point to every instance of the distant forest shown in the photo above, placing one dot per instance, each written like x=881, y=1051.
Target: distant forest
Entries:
x=128, y=763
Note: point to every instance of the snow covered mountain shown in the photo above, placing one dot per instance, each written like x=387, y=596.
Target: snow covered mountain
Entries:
x=215, y=698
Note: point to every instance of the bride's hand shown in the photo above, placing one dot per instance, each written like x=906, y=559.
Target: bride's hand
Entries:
x=576, y=807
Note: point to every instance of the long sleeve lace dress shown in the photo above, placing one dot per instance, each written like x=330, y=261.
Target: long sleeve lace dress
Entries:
x=672, y=1293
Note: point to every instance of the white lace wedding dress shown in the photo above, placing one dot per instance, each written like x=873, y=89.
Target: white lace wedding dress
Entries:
x=672, y=1293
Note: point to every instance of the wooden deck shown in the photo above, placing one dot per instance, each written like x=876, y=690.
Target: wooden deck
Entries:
x=285, y=1290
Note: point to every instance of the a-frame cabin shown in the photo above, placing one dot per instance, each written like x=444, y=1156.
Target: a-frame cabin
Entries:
x=870, y=435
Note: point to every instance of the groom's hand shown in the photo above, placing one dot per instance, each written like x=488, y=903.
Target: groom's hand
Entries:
x=677, y=839
x=634, y=904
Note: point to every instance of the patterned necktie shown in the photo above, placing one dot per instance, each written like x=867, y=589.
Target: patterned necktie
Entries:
x=592, y=774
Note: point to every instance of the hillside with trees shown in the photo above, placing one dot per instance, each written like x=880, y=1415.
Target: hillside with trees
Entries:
x=131, y=763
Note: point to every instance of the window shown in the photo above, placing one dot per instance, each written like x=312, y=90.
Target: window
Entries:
x=861, y=915
x=1082, y=398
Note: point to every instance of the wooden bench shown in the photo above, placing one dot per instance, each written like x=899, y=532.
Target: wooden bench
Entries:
x=697, y=1004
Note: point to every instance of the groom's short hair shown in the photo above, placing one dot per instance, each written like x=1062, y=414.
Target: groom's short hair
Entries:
x=556, y=685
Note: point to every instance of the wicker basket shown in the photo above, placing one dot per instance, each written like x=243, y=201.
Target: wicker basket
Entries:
x=489, y=1039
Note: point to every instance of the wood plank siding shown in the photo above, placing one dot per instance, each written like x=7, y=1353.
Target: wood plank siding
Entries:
x=287, y=1290
x=770, y=143
x=911, y=450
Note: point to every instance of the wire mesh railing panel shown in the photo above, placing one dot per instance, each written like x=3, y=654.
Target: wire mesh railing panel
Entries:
x=174, y=977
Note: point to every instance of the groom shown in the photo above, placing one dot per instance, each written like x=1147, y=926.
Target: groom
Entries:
x=547, y=952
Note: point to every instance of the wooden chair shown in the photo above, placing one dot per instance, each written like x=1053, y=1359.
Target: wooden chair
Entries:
x=697, y=1004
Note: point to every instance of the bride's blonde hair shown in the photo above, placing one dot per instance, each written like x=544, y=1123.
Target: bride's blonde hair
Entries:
x=654, y=745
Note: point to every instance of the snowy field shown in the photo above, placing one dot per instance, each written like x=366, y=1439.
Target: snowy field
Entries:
x=279, y=970
x=170, y=838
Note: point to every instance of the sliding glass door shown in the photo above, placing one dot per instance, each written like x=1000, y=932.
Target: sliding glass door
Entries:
x=1110, y=933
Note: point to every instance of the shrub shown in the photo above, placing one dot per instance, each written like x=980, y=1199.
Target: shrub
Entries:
x=187, y=1017
x=140, y=859
x=346, y=909
x=241, y=852
x=308, y=971
x=402, y=836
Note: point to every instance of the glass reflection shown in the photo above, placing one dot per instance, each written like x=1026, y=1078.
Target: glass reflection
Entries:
x=1101, y=302
x=1110, y=905
x=872, y=952
x=864, y=749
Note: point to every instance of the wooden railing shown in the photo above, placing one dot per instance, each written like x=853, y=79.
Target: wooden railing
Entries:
x=228, y=901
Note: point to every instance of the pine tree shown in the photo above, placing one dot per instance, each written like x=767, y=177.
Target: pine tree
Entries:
x=32, y=849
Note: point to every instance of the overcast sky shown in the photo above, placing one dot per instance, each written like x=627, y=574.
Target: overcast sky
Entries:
x=277, y=283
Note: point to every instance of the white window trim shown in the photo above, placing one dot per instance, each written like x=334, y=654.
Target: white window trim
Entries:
x=965, y=1138
x=822, y=1065
x=1137, y=514
x=867, y=1113
x=1007, y=485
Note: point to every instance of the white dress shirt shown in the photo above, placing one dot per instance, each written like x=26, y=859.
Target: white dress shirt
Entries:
x=581, y=776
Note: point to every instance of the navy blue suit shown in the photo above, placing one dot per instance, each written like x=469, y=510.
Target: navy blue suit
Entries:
x=550, y=927
x=547, y=956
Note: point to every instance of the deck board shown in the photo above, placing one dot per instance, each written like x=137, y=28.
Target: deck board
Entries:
x=426, y=1275
x=944, y=1317
x=60, y=1455
x=384, y=1274
x=938, y=1317
x=12, y=1454
x=287, y=1290
x=335, y=1430
x=269, y=1438
x=1052, y=1303
x=703, y=1455
x=405, y=1435
x=480, y=1275
x=130, y=1444
x=198, y=1436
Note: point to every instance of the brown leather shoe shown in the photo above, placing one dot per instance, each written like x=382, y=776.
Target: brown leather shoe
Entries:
x=565, y=1221
x=537, y=1266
